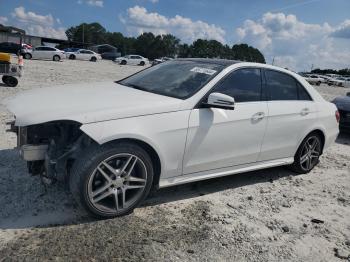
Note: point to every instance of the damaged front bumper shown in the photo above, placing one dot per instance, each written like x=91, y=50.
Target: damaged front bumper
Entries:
x=50, y=148
x=28, y=152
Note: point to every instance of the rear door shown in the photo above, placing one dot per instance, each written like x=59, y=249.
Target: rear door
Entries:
x=84, y=55
x=219, y=138
x=79, y=55
x=135, y=60
x=49, y=52
x=89, y=54
x=291, y=111
x=38, y=52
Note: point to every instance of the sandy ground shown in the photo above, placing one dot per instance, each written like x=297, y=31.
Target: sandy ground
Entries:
x=267, y=215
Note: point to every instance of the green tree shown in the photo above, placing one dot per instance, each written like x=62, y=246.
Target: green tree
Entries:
x=155, y=46
x=184, y=51
x=87, y=33
x=243, y=52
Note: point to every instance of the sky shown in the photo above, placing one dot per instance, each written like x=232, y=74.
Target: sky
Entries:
x=298, y=34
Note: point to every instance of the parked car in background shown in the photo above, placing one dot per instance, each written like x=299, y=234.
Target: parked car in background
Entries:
x=132, y=60
x=13, y=48
x=335, y=81
x=343, y=105
x=343, y=82
x=45, y=53
x=313, y=79
x=182, y=121
x=83, y=54
x=325, y=79
x=161, y=60
x=110, y=55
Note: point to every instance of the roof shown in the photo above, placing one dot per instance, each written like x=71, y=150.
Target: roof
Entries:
x=108, y=45
x=224, y=62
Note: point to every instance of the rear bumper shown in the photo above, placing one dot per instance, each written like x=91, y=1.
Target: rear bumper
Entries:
x=330, y=139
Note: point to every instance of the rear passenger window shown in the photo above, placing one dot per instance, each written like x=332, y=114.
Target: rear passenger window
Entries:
x=303, y=94
x=244, y=85
x=281, y=86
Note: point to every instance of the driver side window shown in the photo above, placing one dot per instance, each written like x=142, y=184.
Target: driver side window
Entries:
x=244, y=85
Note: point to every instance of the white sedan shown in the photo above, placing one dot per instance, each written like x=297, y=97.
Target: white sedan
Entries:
x=132, y=60
x=177, y=122
x=84, y=54
x=343, y=81
x=314, y=79
x=45, y=53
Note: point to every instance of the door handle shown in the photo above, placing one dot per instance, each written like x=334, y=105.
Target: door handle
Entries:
x=305, y=111
x=258, y=116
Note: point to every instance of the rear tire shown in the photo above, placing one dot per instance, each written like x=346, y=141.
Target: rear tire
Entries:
x=56, y=58
x=308, y=154
x=27, y=56
x=99, y=184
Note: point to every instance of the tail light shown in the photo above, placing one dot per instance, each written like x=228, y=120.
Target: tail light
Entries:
x=337, y=116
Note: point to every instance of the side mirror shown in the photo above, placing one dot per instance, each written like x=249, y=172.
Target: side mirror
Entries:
x=219, y=100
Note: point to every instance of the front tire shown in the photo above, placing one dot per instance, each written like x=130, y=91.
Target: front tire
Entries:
x=112, y=179
x=142, y=63
x=308, y=154
x=123, y=62
x=93, y=59
x=10, y=81
x=72, y=57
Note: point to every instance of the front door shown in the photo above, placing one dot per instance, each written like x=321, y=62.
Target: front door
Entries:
x=219, y=138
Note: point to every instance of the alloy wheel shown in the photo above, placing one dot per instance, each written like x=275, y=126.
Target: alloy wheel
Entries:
x=310, y=153
x=117, y=183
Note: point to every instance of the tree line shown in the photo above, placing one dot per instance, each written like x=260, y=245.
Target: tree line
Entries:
x=342, y=72
x=155, y=46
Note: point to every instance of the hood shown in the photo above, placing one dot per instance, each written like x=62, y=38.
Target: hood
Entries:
x=342, y=102
x=86, y=103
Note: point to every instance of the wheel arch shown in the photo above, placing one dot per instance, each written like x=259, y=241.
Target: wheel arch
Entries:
x=318, y=131
x=155, y=157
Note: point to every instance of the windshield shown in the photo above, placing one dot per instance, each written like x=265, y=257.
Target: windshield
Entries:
x=179, y=79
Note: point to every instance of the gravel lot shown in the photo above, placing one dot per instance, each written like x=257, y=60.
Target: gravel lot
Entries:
x=269, y=215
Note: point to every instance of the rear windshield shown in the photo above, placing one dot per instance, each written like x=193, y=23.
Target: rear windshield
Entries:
x=179, y=79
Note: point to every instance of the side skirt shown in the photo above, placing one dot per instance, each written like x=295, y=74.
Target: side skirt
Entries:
x=193, y=177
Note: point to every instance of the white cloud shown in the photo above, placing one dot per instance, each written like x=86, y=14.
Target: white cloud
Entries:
x=343, y=30
x=39, y=30
x=295, y=44
x=154, y=1
x=31, y=17
x=98, y=3
x=139, y=20
x=39, y=25
x=3, y=19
